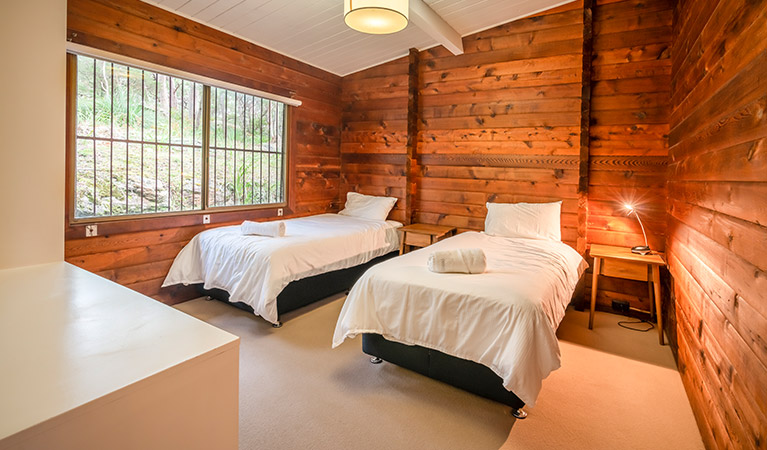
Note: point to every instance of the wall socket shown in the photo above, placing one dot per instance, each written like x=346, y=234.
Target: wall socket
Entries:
x=205, y=218
x=91, y=230
x=621, y=306
x=279, y=211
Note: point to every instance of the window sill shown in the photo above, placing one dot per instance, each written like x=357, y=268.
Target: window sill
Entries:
x=132, y=224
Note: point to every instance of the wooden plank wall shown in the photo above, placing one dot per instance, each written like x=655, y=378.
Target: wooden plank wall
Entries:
x=138, y=253
x=502, y=122
x=717, y=238
x=374, y=136
x=629, y=131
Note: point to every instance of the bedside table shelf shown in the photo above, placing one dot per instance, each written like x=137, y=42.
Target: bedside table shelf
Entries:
x=619, y=262
x=423, y=235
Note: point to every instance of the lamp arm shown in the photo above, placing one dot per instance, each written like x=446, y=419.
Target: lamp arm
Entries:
x=642, y=226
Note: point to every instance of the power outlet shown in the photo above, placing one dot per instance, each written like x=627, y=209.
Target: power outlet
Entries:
x=91, y=230
x=205, y=218
x=279, y=212
x=621, y=306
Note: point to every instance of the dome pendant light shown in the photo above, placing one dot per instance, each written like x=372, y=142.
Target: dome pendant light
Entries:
x=376, y=16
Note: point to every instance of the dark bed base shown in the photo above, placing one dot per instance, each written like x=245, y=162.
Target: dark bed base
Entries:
x=461, y=373
x=302, y=292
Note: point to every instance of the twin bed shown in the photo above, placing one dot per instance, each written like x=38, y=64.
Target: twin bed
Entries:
x=504, y=319
x=318, y=255
x=491, y=333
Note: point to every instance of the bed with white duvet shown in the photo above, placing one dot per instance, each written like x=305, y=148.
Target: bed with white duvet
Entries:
x=255, y=269
x=504, y=319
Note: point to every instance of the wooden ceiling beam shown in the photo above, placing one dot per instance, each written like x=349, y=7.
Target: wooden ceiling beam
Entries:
x=435, y=26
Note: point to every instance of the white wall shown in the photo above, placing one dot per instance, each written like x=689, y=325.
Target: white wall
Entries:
x=32, y=123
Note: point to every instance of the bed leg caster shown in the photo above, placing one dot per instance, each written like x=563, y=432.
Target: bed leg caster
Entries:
x=277, y=325
x=208, y=298
x=519, y=413
x=375, y=360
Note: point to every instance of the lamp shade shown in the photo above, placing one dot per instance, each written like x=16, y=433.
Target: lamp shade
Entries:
x=376, y=16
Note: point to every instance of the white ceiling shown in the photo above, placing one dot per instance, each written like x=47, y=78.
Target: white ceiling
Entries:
x=314, y=31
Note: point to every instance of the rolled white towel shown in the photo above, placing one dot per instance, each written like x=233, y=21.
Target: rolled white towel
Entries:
x=460, y=260
x=273, y=229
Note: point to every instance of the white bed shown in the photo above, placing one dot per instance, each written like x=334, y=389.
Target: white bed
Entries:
x=505, y=318
x=255, y=269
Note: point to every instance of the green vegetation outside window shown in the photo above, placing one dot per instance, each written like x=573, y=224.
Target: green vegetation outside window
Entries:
x=150, y=143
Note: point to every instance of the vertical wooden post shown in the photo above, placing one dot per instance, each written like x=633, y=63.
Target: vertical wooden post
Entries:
x=583, y=165
x=413, y=118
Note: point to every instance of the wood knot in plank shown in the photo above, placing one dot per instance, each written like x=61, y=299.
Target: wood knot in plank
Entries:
x=752, y=151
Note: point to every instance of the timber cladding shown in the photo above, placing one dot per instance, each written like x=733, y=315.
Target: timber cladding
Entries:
x=504, y=122
x=717, y=239
x=498, y=123
x=374, y=146
x=628, y=145
x=139, y=253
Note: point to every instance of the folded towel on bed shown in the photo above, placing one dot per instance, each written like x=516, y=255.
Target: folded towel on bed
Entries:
x=273, y=229
x=460, y=260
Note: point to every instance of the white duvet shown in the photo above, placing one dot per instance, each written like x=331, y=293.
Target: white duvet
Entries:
x=255, y=269
x=505, y=318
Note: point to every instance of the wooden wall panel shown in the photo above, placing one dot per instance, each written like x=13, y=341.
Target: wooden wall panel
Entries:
x=374, y=136
x=138, y=253
x=503, y=122
x=628, y=143
x=717, y=188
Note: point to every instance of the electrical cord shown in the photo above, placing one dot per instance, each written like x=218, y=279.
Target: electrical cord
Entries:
x=625, y=324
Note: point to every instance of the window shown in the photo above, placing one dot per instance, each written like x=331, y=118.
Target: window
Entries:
x=150, y=143
x=246, y=149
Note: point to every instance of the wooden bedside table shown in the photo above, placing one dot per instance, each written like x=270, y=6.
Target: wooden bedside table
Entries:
x=423, y=235
x=619, y=262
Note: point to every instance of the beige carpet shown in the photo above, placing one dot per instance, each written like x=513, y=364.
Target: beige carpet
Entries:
x=616, y=389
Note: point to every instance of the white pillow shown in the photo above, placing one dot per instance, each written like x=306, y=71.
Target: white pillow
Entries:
x=367, y=206
x=524, y=220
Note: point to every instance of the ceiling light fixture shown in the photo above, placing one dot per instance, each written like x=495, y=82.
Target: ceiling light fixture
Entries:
x=376, y=16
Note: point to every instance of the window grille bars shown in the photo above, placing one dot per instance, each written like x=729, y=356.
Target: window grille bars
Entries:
x=125, y=109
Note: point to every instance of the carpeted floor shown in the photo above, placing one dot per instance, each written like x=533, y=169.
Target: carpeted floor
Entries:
x=616, y=389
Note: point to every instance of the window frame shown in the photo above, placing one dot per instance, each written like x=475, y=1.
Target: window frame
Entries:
x=225, y=212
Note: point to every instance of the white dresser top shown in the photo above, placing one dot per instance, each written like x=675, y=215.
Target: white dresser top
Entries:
x=68, y=337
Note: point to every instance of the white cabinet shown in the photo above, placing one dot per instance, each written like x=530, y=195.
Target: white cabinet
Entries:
x=88, y=364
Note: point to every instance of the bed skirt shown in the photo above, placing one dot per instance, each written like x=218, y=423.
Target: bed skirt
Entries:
x=305, y=291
